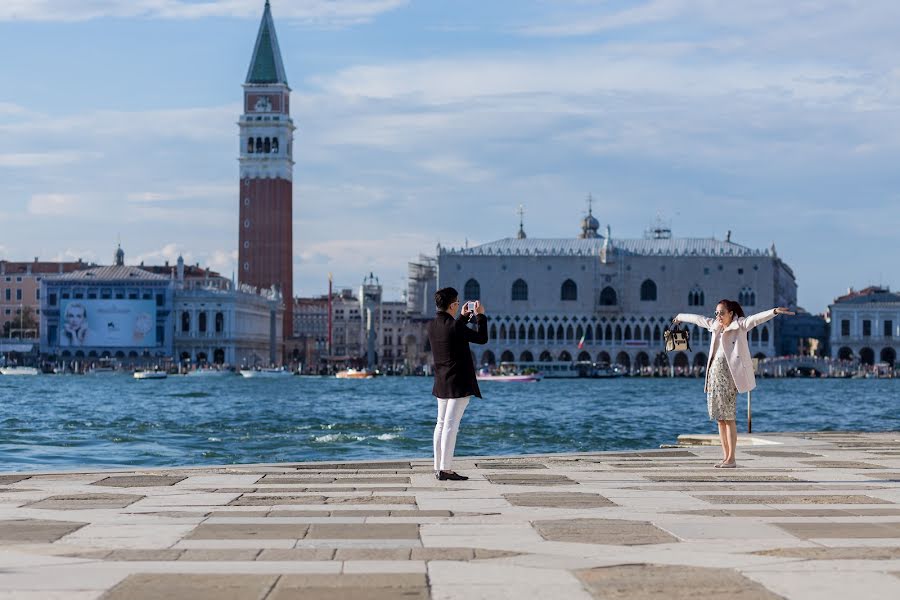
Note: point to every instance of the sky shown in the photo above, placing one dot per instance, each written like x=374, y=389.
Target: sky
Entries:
x=422, y=123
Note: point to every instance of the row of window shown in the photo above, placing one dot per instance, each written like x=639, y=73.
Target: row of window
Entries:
x=8, y=294
x=52, y=299
x=608, y=295
x=262, y=145
x=641, y=359
x=53, y=338
x=202, y=325
x=599, y=333
x=887, y=331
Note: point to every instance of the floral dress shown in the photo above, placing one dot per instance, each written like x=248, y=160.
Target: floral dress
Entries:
x=721, y=395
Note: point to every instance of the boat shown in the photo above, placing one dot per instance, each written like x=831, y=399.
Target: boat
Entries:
x=268, y=373
x=508, y=371
x=105, y=366
x=209, y=373
x=150, y=374
x=19, y=370
x=355, y=374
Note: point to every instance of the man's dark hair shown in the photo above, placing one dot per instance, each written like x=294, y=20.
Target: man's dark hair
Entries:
x=733, y=306
x=444, y=297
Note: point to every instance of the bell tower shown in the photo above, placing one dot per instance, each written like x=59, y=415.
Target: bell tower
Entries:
x=265, y=241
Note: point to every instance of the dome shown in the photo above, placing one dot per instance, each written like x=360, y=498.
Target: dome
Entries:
x=589, y=227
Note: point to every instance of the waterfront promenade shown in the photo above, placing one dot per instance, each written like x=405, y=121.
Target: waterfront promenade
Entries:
x=804, y=516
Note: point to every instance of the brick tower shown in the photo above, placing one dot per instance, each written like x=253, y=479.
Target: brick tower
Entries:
x=265, y=251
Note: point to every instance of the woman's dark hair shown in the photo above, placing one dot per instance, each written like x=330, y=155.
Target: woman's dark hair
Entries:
x=733, y=306
x=444, y=297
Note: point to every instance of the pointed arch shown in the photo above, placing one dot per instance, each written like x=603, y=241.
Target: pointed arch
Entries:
x=603, y=357
x=588, y=333
x=657, y=334
x=560, y=335
x=507, y=356
x=608, y=297
x=618, y=333
x=550, y=332
x=521, y=331
x=488, y=358
x=493, y=331
x=546, y=356
x=599, y=333
x=648, y=291
x=526, y=356
x=570, y=333
x=608, y=334
x=511, y=332
x=564, y=356
x=647, y=332
x=579, y=331
x=765, y=335
x=540, y=332
x=503, y=331
x=519, y=290
x=531, y=332
x=472, y=290
x=628, y=332
x=568, y=290
x=584, y=356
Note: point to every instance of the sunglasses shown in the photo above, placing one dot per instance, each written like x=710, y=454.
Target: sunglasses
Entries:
x=721, y=313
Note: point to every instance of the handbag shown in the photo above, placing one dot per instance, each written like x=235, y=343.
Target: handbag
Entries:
x=677, y=339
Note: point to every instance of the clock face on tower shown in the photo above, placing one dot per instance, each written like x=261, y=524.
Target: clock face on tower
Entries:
x=263, y=104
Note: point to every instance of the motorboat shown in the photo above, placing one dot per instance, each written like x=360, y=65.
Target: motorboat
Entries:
x=355, y=374
x=19, y=370
x=267, y=373
x=209, y=373
x=150, y=374
x=509, y=372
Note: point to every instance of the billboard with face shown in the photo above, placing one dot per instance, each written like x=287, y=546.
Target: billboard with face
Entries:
x=107, y=323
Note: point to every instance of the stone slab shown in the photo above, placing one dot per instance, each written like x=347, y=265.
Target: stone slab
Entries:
x=239, y=531
x=781, y=453
x=352, y=466
x=669, y=582
x=86, y=501
x=559, y=500
x=510, y=465
x=836, y=553
x=10, y=479
x=854, y=530
x=129, y=481
x=213, y=586
x=36, y=530
x=841, y=464
x=379, y=531
x=724, y=478
x=270, y=479
x=528, y=479
x=127, y=554
x=216, y=555
x=369, y=586
x=603, y=531
x=296, y=554
x=793, y=499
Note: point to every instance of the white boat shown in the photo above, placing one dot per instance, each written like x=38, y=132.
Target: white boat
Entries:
x=354, y=374
x=18, y=370
x=150, y=374
x=210, y=373
x=519, y=378
x=266, y=373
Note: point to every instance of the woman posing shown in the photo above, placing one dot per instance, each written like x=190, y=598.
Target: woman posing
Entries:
x=729, y=368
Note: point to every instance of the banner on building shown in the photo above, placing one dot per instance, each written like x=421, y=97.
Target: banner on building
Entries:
x=107, y=323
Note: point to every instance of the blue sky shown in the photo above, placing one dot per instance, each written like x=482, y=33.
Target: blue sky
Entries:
x=426, y=122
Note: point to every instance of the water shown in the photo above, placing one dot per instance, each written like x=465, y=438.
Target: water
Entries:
x=69, y=422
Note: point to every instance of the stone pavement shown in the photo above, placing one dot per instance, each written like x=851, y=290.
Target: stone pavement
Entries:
x=804, y=516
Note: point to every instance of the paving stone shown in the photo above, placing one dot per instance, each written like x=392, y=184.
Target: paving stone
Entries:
x=259, y=513
x=353, y=466
x=884, y=476
x=248, y=531
x=727, y=478
x=128, y=481
x=86, y=501
x=368, y=531
x=603, y=531
x=781, y=453
x=509, y=465
x=664, y=582
x=443, y=554
x=128, y=554
x=642, y=454
x=842, y=530
x=213, y=586
x=269, y=479
x=371, y=500
x=296, y=554
x=372, y=554
x=486, y=553
x=9, y=479
x=841, y=464
x=421, y=513
x=836, y=553
x=215, y=555
x=36, y=530
x=368, y=586
x=559, y=500
x=794, y=499
x=275, y=500
x=750, y=487
x=528, y=479
x=173, y=514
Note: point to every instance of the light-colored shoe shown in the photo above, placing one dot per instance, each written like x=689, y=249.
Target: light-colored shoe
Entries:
x=726, y=465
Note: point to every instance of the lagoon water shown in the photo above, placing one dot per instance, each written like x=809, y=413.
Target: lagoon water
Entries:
x=69, y=422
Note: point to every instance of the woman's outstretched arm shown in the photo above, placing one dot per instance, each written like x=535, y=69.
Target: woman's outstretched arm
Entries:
x=760, y=318
x=698, y=320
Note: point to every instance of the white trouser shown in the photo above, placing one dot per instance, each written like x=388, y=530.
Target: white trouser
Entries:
x=450, y=412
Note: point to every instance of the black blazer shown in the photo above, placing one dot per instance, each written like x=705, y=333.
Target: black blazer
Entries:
x=454, y=371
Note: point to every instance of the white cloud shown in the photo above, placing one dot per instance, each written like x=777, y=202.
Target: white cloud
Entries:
x=316, y=12
x=72, y=254
x=457, y=168
x=169, y=252
x=50, y=205
x=184, y=192
x=45, y=159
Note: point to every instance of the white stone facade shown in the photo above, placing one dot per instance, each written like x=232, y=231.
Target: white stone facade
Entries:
x=227, y=327
x=865, y=326
x=543, y=295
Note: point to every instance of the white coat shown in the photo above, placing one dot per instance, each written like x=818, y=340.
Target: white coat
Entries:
x=734, y=339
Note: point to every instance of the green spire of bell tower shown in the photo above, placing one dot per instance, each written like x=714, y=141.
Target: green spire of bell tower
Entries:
x=266, y=66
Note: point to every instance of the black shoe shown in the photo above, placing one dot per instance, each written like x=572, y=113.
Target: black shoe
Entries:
x=451, y=475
